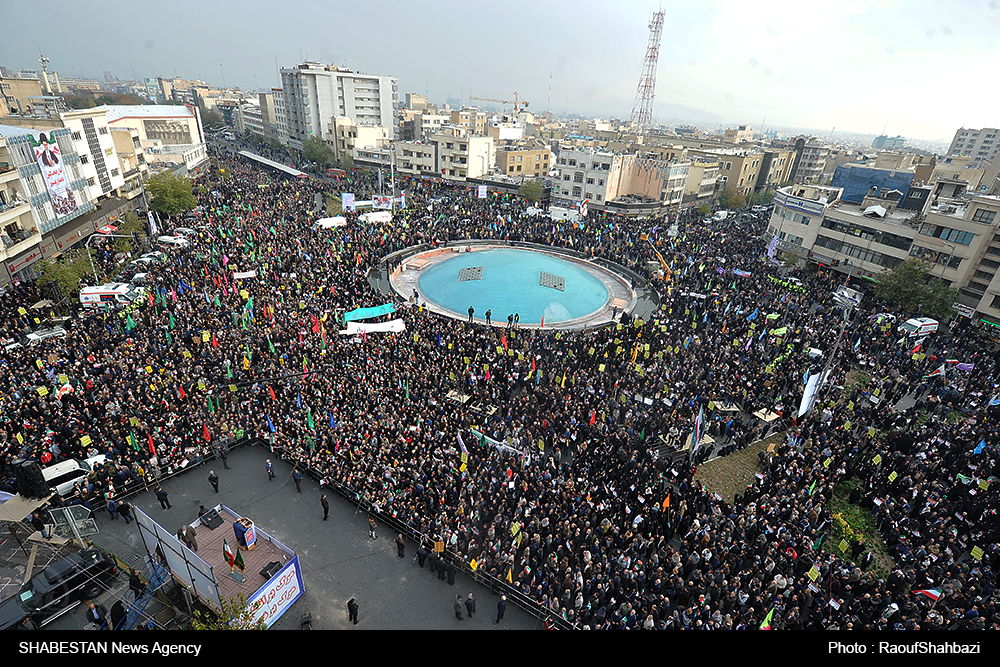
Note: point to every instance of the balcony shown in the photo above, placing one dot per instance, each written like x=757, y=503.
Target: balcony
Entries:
x=13, y=211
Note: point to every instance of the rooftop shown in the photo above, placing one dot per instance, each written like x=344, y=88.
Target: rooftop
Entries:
x=118, y=112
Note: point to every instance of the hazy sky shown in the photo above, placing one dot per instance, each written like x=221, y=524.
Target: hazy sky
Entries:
x=923, y=66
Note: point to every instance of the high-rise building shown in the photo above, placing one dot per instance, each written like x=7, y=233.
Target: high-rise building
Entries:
x=980, y=145
x=314, y=94
x=889, y=143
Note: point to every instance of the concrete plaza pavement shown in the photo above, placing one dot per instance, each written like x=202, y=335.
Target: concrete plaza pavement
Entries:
x=338, y=558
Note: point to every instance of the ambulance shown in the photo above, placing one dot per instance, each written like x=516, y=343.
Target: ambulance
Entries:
x=112, y=295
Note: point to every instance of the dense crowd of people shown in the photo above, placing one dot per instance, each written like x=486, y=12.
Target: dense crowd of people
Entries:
x=569, y=493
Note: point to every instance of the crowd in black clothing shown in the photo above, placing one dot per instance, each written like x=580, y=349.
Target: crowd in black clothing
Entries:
x=562, y=494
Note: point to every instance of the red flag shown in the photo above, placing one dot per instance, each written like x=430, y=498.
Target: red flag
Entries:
x=593, y=416
x=152, y=449
x=503, y=339
x=487, y=373
x=180, y=392
x=532, y=364
x=215, y=343
x=271, y=389
x=205, y=434
x=315, y=324
x=542, y=325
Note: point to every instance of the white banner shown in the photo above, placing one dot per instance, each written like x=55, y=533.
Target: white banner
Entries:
x=808, y=394
x=481, y=192
x=392, y=326
x=244, y=275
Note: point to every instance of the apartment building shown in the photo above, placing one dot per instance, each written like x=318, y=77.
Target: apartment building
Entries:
x=532, y=160
x=702, y=184
x=955, y=231
x=584, y=173
x=981, y=146
x=739, y=168
x=451, y=153
x=315, y=93
x=810, y=158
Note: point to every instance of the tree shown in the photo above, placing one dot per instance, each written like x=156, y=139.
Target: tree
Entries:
x=316, y=150
x=171, y=194
x=704, y=209
x=911, y=286
x=67, y=271
x=732, y=198
x=234, y=615
x=130, y=224
x=531, y=190
x=346, y=161
x=762, y=197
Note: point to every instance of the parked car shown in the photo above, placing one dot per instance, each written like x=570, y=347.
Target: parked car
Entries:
x=61, y=477
x=59, y=588
x=173, y=241
x=186, y=232
x=44, y=333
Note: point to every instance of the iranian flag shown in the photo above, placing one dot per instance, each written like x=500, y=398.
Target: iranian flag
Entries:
x=932, y=593
x=939, y=371
x=228, y=553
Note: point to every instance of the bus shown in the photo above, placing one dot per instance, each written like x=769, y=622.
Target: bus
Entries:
x=336, y=173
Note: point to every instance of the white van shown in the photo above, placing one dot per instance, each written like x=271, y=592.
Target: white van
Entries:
x=62, y=476
x=918, y=326
x=108, y=296
x=720, y=215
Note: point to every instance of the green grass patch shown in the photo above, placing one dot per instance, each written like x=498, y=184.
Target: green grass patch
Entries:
x=332, y=205
x=852, y=521
x=732, y=474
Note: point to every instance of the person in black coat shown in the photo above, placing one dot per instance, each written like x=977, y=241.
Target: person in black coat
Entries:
x=118, y=615
x=135, y=584
x=213, y=479
x=470, y=605
x=326, y=506
x=161, y=495
x=97, y=614
x=501, y=609
x=352, y=610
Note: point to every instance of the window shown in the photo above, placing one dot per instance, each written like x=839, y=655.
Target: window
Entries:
x=729, y=165
x=600, y=181
x=590, y=181
x=114, y=172
x=90, y=182
x=977, y=287
x=77, y=136
x=84, y=159
x=519, y=167
x=983, y=215
x=463, y=147
x=989, y=264
x=984, y=275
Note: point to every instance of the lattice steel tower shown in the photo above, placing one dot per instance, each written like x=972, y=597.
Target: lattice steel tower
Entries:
x=642, y=108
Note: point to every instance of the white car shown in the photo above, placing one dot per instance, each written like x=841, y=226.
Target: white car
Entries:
x=45, y=333
x=155, y=254
x=174, y=241
x=186, y=232
x=139, y=261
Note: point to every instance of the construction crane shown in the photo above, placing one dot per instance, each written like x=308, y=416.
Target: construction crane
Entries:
x=518, y=101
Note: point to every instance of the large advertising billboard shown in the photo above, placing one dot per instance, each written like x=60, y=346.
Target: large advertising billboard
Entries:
x=49, y=160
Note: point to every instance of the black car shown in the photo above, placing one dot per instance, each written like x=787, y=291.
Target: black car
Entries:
x=59, y=588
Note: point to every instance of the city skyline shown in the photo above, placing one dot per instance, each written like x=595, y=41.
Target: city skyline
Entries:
x=858, y=67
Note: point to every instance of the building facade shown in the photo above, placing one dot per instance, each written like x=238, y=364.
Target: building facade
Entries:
x=982, y=145
x=315, y=93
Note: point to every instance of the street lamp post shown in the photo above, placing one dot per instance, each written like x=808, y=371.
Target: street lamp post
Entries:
x=951, y=254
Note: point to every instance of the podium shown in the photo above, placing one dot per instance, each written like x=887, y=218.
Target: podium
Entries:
x=246, y=536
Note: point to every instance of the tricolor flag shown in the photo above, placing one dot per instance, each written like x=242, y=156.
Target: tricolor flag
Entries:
x=939, y=371
x=932, y=593
x=228, y=554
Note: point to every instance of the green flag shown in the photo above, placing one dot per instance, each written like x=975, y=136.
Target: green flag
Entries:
x=238, y=561
x=309, y=419
x=766, y=623
x=218, y=304
x=271, y=346
x=135, y=443
x=211, y=408
x=172, y=320
x=130, y=323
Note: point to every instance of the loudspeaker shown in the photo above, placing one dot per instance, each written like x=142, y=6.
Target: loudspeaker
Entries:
x=30, y=482
x=270, y=569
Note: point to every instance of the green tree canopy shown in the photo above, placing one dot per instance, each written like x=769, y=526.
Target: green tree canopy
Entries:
x=346, y=161
x=732, y=198
x=316, y=150
x=171, y=194
x=531, y=190
x=234, y=615
x=911, y=286
x=67, y=271
x=704, y=209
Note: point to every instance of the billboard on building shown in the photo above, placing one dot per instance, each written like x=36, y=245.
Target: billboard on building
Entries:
x=49, y=160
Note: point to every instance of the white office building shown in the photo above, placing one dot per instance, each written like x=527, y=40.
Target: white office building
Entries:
x=314, y=94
